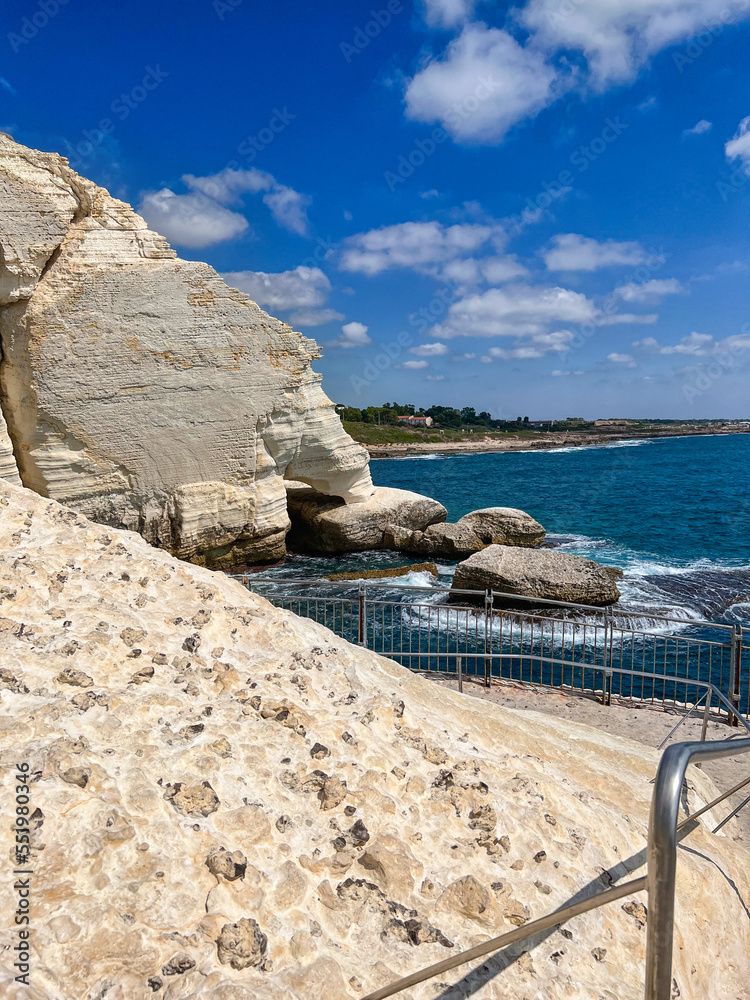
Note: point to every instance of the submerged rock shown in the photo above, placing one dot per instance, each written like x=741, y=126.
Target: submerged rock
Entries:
x=542, y=573
x=381, y=574
x=323, y=524
x=206, y=857
x=471, y=533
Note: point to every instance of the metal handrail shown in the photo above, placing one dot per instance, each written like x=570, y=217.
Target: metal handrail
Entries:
x=662, y=855
x=659, y=881
x=325, y=582
x=519, y=934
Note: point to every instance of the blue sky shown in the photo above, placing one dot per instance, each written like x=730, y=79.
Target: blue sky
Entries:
x=539, y=209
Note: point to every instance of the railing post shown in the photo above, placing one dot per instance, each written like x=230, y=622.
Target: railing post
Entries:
x=736, y=671
x=362, y=635
x=459, y=671
x=489, y=599
x=607, y=670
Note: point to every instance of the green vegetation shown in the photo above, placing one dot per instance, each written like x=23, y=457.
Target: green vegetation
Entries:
x=444, y=417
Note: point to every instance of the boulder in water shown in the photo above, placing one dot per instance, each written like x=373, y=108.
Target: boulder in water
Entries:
x=542, y=573
x=471, y=533
x=324, y=524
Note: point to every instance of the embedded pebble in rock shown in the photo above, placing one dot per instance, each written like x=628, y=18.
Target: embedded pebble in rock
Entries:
x=188, y=844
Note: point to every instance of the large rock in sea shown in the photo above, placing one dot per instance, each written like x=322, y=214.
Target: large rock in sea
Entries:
x=140, y=389
x=541, y=573
x=232, y=803
x=323, y=524
x=471, y=533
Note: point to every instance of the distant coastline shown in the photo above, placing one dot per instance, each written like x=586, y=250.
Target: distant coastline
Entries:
x=544, y=442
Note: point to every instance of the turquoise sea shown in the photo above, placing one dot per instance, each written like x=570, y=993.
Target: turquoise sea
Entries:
x=673, y=513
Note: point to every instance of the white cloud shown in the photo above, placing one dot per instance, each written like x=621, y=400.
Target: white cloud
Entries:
x=738, y=148
x=448, y=13
x=699, y=128
x=649, y=291
x=617, y=319
x=572, y=252
x=429, y=350
x=616, y=38
x=619, y=36
x=315, y=317
x=697, y=344
x=352, y=335
x=434, y=378
x=413, y=365
x=190, y=220
x=201, y=218
x=516, y=311
x=288, y=207
x=622, y=359
x=303, y=287
x=535, y=347
x=464, y=357
x=484, y=83
x=497, y=270
x=432, y=193
x=427, y=247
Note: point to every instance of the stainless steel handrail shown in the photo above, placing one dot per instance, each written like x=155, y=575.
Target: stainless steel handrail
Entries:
x=662, y=855
x=519, y=934
x=659, y=881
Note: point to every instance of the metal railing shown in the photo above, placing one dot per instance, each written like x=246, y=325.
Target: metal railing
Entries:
x=659, y=880
x=531, y=645
x=626, y=653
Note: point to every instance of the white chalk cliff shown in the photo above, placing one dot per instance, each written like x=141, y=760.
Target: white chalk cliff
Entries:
x=232, y=803
x=140, y=389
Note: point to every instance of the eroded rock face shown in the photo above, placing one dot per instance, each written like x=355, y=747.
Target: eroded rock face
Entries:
x=324, y=524
x=542, y=573
x=471, y=533
x=278, y=814
x=140, y=389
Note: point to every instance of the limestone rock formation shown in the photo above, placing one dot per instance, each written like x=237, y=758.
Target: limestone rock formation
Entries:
x=471, y=533
x=324, y=524
x=542, y=573
x=140, y=389
x=242, y=806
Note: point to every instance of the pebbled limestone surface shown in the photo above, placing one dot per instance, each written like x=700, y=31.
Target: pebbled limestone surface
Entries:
x=231, y=803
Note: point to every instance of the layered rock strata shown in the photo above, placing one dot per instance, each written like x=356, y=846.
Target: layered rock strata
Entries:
x=326, y=525
x=231, y=803
x=471, y=533
x=541, y=573
x=140, y=389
